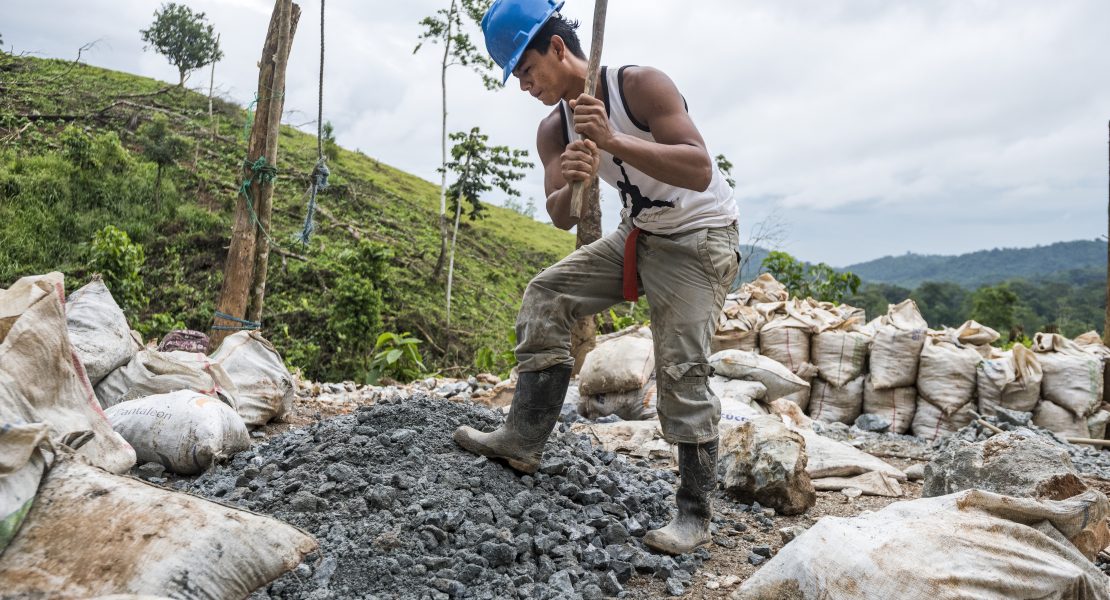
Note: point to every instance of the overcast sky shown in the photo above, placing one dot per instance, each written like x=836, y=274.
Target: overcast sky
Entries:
x=872, y=127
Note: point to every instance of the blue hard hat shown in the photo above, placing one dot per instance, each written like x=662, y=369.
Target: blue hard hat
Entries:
x=510, y=25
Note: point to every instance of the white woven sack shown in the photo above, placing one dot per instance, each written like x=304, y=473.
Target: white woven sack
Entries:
x=43, y=378
x=778, y=380
x=25, y=455
x=93, y=534
x=1020, y=548
x=930, y=422
x=896, y=405
x=1072, y=377
x=896, y=346
x=1062, y=421
x=839, y=355
x=739, y=399
x=151, y=372
x=836, y=404
x=98, y=330
x=184, y=431
x=634, y=405
x=619, y=365
x=265, y=387
x=1012, y=381
x=946, y=374
x=788, y=346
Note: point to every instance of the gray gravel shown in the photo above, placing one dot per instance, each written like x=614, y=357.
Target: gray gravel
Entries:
x=401, y=512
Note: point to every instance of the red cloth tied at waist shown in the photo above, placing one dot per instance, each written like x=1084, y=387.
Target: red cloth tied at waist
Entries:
x=631, y=289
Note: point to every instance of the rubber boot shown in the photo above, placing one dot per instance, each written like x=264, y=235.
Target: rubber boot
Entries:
x=697, y=466
x=535, y=409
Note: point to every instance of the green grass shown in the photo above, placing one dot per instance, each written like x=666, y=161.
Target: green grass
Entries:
x=47, y=220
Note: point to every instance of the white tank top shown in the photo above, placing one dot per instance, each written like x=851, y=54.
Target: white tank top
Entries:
x=652, y=205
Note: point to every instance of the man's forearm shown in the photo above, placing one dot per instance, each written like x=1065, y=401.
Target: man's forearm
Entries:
x=558, y=208
x=680, y=165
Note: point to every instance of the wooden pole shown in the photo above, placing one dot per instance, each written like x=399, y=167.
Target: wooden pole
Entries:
x=273, y=127
x=584, y=332
x=1106, y=322
x=240, y=264
x=578, y=189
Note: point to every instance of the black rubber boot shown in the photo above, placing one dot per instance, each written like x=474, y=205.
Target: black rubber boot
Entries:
x=697, y=466
x=535, y=409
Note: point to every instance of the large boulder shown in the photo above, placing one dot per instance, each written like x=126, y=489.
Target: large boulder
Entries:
x=765, y=462
x=1011, y=463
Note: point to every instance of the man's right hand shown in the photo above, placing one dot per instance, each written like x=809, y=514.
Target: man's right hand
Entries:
x=580, y=161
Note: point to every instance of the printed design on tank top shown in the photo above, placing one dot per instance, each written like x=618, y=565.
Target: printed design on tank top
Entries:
x=632, y=197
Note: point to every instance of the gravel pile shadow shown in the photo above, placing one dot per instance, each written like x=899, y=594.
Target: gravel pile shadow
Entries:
x=401, y=512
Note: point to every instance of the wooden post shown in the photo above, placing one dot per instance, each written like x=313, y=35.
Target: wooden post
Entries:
x=239, y=269
x=1106, y=322
x=584, y=332
x=265, y=203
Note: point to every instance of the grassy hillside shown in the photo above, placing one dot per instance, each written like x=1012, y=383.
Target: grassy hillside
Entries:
x=985, y=267
x=71, y=164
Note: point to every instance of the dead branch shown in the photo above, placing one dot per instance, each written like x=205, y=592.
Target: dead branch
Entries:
x=354, y=231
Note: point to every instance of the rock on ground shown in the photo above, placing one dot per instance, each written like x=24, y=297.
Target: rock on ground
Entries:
x=1012, y=463
x=401, y=512
x=763, y=461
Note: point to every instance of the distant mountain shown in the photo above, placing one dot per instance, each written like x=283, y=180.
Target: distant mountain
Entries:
x=984, y=267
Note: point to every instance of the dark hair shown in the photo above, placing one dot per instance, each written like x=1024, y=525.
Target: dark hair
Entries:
x=562, y=27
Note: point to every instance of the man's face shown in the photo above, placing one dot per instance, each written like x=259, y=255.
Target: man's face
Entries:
x=538, y=75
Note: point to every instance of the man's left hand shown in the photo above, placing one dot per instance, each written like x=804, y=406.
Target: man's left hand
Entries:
x=591, y=121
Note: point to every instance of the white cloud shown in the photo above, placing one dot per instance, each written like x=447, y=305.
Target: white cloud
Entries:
x=877, y=126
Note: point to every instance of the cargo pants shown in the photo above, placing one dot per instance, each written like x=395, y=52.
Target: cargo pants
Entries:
x=685, y=277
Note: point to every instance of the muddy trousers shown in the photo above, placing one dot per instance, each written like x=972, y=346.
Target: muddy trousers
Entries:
x=685, y=277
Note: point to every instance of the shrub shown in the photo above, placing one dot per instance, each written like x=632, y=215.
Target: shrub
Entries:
x=120, y=261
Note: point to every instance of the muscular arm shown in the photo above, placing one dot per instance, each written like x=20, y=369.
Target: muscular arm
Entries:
x=678, y=156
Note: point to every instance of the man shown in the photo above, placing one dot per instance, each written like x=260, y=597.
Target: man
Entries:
x=677, y=243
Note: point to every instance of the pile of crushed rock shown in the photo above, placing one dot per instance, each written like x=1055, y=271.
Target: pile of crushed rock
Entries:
x=1088, y=460
x=401, y=512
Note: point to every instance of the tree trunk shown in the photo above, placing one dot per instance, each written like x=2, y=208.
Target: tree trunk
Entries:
x=589, y=230
x=239, y=269
x=454, y=238
x=443, y=145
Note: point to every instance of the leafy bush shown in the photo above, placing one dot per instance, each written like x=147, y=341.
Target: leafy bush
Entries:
x=158, y=325
x=396, y=356
x=499, y=362
x=120, y=261
x=818, y=281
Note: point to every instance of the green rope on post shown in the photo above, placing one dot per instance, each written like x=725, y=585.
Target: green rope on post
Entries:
x=261, y=172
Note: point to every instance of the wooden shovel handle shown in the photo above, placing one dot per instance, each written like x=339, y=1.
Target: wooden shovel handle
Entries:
x=578, y=189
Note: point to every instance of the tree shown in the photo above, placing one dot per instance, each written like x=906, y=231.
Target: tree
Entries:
x=995, y=306
x=480, y=168
x=942, y=303
x=446, y=27
x=184, y=37
x=331, y=148
x=819, y=281
x=725, y=166
x=162, y=147
x=875, y=298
